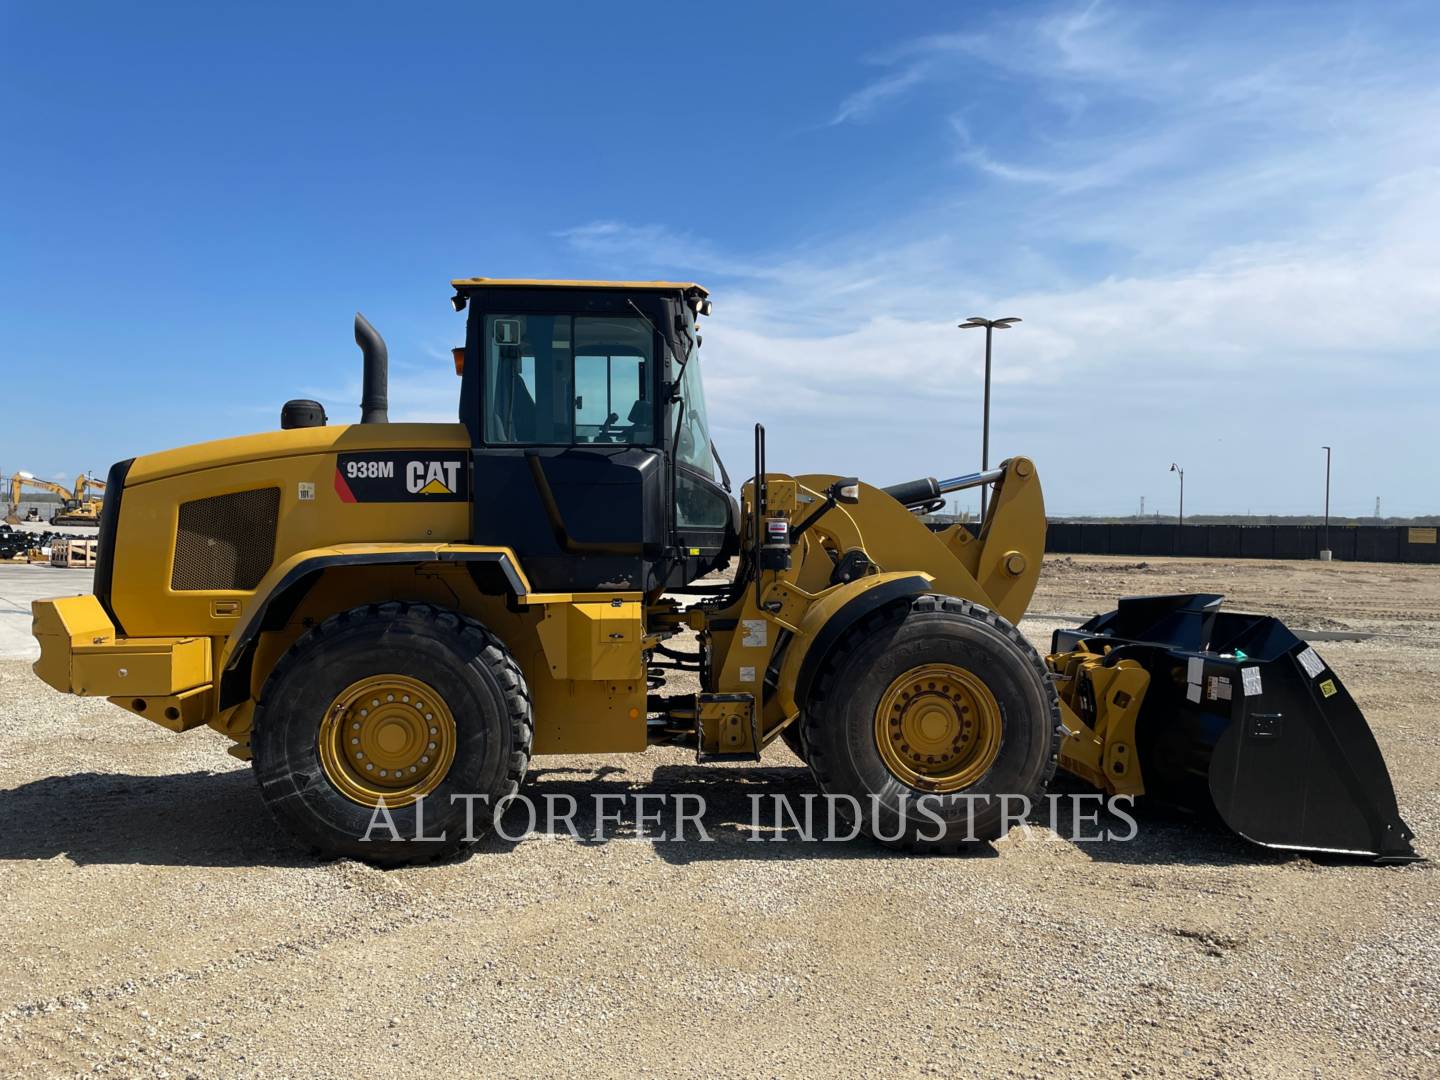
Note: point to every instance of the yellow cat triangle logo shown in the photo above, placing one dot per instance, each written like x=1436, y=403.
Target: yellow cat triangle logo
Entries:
x=435, y=487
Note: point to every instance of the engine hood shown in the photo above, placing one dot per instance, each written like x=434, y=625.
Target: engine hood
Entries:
x=345, y=438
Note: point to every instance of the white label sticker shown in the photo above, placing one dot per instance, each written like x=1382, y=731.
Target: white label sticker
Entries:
x=1219, y=688
x=1196, y=670
x=1250, y=677
x=753, y=633
x=1193, y=692
x=747, y=674
x=307, y=491
x=1311, y=662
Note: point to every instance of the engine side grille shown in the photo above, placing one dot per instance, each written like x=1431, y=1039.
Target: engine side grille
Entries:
x=226, y=542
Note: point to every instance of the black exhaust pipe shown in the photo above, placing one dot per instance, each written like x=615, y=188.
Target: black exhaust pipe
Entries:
x=375, y=396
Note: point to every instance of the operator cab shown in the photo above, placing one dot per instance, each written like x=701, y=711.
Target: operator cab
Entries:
x=592, y=456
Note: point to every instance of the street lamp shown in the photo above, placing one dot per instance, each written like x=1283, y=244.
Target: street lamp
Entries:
x=990, y=325
x=1325, y=549
x=1176, y=469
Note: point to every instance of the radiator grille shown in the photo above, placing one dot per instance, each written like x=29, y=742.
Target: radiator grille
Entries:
x=226, y=542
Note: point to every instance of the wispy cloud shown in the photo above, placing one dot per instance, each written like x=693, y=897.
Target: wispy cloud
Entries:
x=1221, y=361
x=863, y=102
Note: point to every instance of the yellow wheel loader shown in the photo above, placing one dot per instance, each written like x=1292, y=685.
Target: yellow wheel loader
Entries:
x=398, y=617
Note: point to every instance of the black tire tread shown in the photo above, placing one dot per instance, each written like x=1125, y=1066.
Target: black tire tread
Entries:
x=485, y=648
x=927, y=603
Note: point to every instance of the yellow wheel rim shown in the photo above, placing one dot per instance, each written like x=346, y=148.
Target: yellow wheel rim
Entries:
x=938, y=728
x=387, y=737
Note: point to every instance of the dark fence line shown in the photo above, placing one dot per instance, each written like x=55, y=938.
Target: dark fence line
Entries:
x=1352, y=543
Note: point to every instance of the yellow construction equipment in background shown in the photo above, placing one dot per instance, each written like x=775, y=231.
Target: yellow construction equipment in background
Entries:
x=401, y=615
x=85, y=502
x=77, y=506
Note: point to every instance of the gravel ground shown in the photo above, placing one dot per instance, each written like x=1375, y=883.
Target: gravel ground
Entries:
x=156, y=922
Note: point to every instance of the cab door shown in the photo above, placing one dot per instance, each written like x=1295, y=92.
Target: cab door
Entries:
x=569, y=465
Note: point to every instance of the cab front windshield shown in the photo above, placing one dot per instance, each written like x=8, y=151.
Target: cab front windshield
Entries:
x=692, y=443
x=699, y=505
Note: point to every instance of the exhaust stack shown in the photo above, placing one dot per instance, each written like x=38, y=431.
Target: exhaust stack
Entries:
x=374, y=397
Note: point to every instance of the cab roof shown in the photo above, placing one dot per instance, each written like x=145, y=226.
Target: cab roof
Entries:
x=686, y=287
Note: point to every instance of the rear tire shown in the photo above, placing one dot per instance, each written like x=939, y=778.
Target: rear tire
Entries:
x=992, y=711
x=481, y=720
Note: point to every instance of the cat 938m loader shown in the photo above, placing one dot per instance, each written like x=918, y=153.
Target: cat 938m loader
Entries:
x=404, y=614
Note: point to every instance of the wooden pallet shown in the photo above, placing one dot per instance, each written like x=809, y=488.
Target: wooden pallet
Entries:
x=72, y=553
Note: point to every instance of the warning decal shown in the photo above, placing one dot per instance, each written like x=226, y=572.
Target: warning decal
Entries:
x=1250, y=681
x=753, y=633
x=1311, y=662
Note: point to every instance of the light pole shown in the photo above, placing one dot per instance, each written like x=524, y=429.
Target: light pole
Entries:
x=1325, y=541
x=1176, y=469
x=990, y=325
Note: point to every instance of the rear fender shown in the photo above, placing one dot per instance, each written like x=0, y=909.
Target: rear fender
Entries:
x=285, y=586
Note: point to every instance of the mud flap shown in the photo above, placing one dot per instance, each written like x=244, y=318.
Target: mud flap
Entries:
x=1245, y=718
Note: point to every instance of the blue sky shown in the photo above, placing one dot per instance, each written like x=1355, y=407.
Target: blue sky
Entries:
x=1220, y=224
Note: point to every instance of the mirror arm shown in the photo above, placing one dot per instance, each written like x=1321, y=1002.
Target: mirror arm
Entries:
x=846, y=490
x=824, y=508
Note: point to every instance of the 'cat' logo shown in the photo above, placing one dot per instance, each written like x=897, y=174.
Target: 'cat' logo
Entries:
x=432, y=477
x=389, y=476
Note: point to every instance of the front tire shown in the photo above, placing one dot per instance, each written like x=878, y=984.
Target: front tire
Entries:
x=933, y=716
x=793, y=738
x=401, y=702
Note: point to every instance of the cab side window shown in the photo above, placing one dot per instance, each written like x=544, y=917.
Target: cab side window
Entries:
x=560, y=380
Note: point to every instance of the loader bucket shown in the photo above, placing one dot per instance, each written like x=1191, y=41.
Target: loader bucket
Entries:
x=1244, y=717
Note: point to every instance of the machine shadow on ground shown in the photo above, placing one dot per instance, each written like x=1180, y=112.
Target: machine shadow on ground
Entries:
x=217, y=819
x=1163, y=834
x=182, y=819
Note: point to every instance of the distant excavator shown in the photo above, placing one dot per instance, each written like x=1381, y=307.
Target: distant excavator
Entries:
x=78, y=506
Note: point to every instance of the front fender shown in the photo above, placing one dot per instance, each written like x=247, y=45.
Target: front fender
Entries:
x=827, y=620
